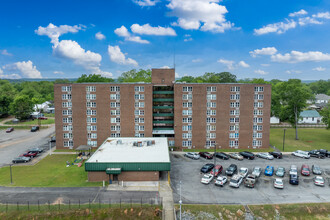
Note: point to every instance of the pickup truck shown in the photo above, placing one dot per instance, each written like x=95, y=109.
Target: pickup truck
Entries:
x=250, y=180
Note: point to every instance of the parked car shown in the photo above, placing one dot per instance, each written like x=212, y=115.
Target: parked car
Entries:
x=221, y=181
x=317, y=154
x=53, y=139
x=206, y=155
x=280, y=172
x=42, y=118
x=21, y=159
x=243, y=171
x=319, y=181
x=276, y=154
x=305, y=171
x=34, y=128
x=247, y=155
x=9, y=130
x=294, y=179
x=236, y=156
x=278, y=183
x=250, y=180
x=29, y=154
x=207, y=168
x=191, y=155
x=302, y=154
x=293, y=170
x=36, y=150
x=316, y=169
x=257, y=171
x=231, y=170
x=216, y=170
x=269, y=171
x=265, y=156
x=236, y=181
x=221, y=155
x=325, y=152
x=207, y=178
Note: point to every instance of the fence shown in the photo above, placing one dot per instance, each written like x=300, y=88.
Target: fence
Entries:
x=42, y=205
x=299, y=126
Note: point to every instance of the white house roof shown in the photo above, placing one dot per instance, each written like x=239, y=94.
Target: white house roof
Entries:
x=322, y=97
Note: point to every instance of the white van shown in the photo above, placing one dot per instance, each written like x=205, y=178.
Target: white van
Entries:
x=302, y=154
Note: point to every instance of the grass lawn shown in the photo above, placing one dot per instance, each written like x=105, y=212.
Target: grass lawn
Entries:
x=34, y=122
x=309, y=139
x=49, y=114
x=49, y=172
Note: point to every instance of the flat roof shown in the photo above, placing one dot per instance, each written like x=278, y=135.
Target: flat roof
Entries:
x=132, y=150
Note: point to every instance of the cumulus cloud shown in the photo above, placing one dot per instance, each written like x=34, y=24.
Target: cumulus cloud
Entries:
x=263, y=51
x=205, y=15
x=297, y=57
x=24, y=69
x=187, y=39
x=5, y=52
x=279, y=27
x=320, y=69
x=143, y=3
x=123, y=32
x=243, y=64
x=99, y=36
x=325, y=15
x=228, y=63
x=261, y=72
x=117, y=56
x=58, y=72
x=146, y=29
x=293, y=71
x=308, y=20
x=298, y=13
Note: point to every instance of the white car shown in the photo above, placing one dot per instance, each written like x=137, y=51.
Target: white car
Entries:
x=319, y=181
x=191, y=155
x=207, y=178
x=267, y=156
x=293, y=170
x=302, y=154
x=235, y=181
x=221, y=181
x=243, y=171
x=257, y=171
x=278, y=183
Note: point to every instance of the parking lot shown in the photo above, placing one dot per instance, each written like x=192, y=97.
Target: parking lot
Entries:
x=193, y=191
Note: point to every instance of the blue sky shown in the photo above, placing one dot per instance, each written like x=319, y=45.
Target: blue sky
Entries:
x=273, y=39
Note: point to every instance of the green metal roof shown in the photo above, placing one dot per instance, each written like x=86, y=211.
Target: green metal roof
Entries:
x=95, y=166
x=309, y=114
x=113, y=170
x=163, y=100
x=163, y=114
x=163, y=107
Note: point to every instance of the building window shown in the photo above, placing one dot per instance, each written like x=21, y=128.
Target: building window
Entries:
x=186, y=112
x=234, y=104
x=139, y=104
x=234, y=120
x=257, y=120
x=114, y=104
x=211, y=127
x=66, y=88
x=92, y=143
x=67, y=135
x=91, y=128
x=187, y=89
x=257, y=127
x=115, y=135
x=66, y=96
x=234, y=112
x=139, y=134
x=139, y=96
x=114, y=112
x=259, y=89
x=257, y=112
x=91, y=120
x=67, y=112
x=90, y=96
x=258, y=96
x=92, y=135
x=114, y=96
x=90, y=104
x=139, y=112
x=235, y=89
x=256, y=143
x=233, y=127
x=211, y=104
x=67, y=127
x=257, y=135
x=233, y=135
x=211, y=89
x=90, y=88
x=258, y=104
x=115, y=127
x=114, y=89
x=186, y=143
x=233, y=143
x=66, y=104
x=139, y=120
x=186, y=128
x=115, y=120
x=91, y=112
x=187, y=104
x=68, y=143
x=139, y=127
x=211, y=96
x=67, y=120
x=186, y=120
x=234, y=96
x=210, y=135
x=211, y=112
x=210, y=143
x=211, y=120
x=139, y=88
x=186, y=135
x=171, y=143
x=186, y=96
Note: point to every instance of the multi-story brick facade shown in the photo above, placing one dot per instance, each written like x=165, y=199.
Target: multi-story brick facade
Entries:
x=230, y=115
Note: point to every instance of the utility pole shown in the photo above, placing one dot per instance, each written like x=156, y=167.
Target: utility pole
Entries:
x=50, y=148
x=284, y=138
x=214, y=157
x=180, y=202
x=11, y=175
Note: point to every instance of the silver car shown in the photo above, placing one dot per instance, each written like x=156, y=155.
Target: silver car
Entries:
x=257, y=171
x=280, y=172
x=267, y=156
x=191, y=155
x=319, y=181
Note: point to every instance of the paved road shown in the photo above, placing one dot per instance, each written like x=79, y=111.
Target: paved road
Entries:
x=17, y=142
x=188, y=171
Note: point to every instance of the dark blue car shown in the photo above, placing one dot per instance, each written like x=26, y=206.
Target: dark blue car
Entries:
x=269, y=171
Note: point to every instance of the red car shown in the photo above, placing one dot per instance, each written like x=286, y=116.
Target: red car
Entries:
x=9, y=130
x=206, y=155
x=29, y=154
x=305, y=171
x=217, y=169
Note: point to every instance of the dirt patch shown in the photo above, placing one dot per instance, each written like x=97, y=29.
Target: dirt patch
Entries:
x=57, y=201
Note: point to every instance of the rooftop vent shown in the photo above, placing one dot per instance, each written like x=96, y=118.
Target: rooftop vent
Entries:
x=119, y=142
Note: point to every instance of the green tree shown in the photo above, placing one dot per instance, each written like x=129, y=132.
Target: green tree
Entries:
x=325, y=113
x=93, y=78
x=292, y=95
x=134, y=76
x=21, y=107
x=187, y=79
x=7, y=94
x=320, y=87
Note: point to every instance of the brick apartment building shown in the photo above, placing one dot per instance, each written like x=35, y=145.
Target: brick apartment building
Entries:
x=191, y=115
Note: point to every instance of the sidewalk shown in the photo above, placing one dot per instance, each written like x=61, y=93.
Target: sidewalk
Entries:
x=166, y=193
x=134, y=186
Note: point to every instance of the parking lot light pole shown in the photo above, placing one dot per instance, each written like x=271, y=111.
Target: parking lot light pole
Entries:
x=180, y=202
x=214, y=157
x=284, y=138
x=50, y=148
x=11, y=175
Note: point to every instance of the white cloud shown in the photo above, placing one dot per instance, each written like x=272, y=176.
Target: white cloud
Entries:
x=187, y=39
x=265, y=64
x=320, y=69
x=5, y=52
x=308, y=20
x=298, y=13
x=325, y=15
x=197, y=60
x=117, y=56
x=123, y=32
x=261, y=72
x=243, y=64
x=279, y=27
x=263, y=51
x=206, y=15
x=297, y=57
x=58, y=72
x=146, y=2
x=149, y=30
x=99, y=36
x=23, y=69
x=228, y=63
x=165, y=67
x=293, y=71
